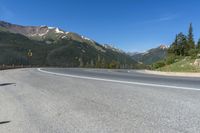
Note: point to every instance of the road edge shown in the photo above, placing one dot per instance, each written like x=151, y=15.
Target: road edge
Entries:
x=118, y=81
x=174, y=74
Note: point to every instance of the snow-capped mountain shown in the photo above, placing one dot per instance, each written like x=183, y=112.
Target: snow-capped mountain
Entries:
x=43, y=32
x=56, y=47
x=52, y=35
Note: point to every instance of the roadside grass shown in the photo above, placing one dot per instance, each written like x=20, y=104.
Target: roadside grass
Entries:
x=183, y=65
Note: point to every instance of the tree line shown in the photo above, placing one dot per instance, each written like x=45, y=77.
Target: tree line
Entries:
x=182, y=46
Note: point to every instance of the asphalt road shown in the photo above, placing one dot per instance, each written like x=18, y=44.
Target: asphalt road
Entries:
x=55, y=100
x=131, y=76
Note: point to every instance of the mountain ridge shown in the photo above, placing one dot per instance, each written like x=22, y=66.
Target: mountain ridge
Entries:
x=61, y=48
x=150, y=56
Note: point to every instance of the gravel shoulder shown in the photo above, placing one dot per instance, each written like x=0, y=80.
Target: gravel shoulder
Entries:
x=176, y=74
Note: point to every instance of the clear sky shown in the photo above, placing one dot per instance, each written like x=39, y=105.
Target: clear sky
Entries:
x=132, y=25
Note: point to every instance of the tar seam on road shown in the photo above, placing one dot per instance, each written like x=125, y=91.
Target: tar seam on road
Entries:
x=118, y=81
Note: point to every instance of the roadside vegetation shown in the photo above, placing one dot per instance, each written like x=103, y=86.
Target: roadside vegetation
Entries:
x=186, y=64
x=181, y=54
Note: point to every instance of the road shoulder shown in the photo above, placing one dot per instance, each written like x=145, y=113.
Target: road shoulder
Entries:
x=176, y=74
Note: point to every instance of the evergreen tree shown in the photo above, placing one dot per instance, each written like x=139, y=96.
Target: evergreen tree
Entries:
x=191, y=42
x=198, y=44
x=98, y=62
x=81, y=62
x=180, y=47
x=174, y=47
x=91, y=63
x=103, y=63
x=183, y=46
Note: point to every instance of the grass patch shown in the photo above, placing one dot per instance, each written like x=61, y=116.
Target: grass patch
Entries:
x=183, y=65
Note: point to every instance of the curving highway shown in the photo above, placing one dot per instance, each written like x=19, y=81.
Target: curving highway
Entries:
x=60, y=100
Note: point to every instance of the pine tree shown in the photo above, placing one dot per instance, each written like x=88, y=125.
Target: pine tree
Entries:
x=185, y=46
x=98, y=62
x=198, y=44
x=174, y=47
x=180, y=46
x=103, y=63
x=81, y=62
x=91, y=63
x=191, y=42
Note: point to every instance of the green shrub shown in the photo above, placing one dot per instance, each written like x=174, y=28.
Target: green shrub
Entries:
x=170, y=60
x=158, y=64
x=193, y=53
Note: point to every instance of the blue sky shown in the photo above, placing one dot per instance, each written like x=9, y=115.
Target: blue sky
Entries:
x=132, y=25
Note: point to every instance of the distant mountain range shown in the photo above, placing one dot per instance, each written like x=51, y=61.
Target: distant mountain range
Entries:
x=151, y=56
x=52, y=46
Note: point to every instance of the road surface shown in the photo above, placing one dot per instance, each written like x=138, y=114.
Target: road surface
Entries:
x=55, y=100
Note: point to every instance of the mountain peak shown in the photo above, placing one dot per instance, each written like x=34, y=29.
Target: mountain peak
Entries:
x=59, y=31
x=43, y=32
x=163, y=47
x=64, y=48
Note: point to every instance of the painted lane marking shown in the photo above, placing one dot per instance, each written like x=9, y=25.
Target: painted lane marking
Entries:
x=119, y=81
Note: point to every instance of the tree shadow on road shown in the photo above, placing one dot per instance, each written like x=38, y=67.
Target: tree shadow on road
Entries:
x=5, y=84
x=4, y=122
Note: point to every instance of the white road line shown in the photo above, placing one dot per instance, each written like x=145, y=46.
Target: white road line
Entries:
x=118, y=81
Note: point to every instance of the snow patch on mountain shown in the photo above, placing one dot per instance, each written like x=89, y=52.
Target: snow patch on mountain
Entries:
x=59, y=31
x=40, y=34
x=163, y=47
x=44, y=33
x=113, y=48
x=64, y=37
x=146, y=52
x=85, y=38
